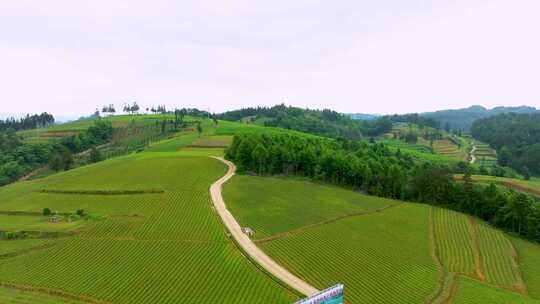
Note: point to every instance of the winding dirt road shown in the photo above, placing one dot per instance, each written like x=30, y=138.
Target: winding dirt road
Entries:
x=247, y=245
x=471, y=153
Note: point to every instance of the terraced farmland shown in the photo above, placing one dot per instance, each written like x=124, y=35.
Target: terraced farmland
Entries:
x=448, y=148
x=148, y=248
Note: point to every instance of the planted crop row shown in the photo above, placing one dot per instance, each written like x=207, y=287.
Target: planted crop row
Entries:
x=498, y=258
x=148, y=248
x=452, y=239
x=381, y=258
x=472, y=291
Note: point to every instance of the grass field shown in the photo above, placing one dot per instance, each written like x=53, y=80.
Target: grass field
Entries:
x=408, y=253
x=451, y=232
x=147, y=248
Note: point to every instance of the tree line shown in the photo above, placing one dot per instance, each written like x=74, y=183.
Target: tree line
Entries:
x=516, y=137
x=18, y=158
x=321, y=122
x=27, y=122
x=374, y=169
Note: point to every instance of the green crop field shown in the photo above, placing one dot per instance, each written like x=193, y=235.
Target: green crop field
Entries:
x=472, y=291
x=143, y=248
x=451, y=232
x=498, y=258
x=529, y=264
x=376, y=262
x=315, y=203
x=407, y=253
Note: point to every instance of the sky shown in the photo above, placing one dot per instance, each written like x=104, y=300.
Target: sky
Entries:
x=388, y=56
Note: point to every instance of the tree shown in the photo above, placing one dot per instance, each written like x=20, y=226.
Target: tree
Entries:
x=80, y=212
x=526, y=173
x=135, y=108
x=199, y=128
x=504, y=157
x=47, y=211
x=411, y=137
x=516, y=210
x=447, y=127
x=95, y=155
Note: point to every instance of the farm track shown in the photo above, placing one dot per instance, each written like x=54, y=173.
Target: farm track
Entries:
x=53, y=292
x=472, y=156
x=332, y=220
x=246, y=244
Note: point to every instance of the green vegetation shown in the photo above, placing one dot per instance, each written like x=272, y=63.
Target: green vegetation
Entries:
x=516, y=137
x=529, y=264
x=472, y=291
x=452, y=240
x=147, y=248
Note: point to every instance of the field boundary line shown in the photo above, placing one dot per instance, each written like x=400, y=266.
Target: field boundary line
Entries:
x=53, y=292
x=329, y=221
x=246, y=244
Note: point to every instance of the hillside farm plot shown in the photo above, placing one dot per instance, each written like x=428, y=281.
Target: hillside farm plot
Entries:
x=452, y=240
x=448, y=148
x=529, y=264
x=472, y=291
x=146, y=248
x=382, y=257
x=277, y=205
x=499, y=259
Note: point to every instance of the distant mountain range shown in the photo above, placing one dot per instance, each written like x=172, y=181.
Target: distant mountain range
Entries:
x=463, y=118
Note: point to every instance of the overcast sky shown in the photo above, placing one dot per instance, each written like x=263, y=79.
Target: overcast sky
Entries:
x=70, y=56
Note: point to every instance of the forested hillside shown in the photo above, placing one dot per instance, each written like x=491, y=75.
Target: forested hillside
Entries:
x=321, y=122
x=516, y=138
x=462, y=119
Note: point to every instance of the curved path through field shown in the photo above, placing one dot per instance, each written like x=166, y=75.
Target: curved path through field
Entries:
x=249, y=247
x=471, y=153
